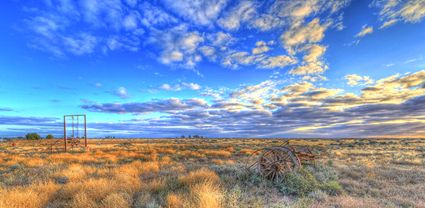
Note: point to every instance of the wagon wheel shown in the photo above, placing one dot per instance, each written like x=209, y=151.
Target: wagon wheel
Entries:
x=275, y=162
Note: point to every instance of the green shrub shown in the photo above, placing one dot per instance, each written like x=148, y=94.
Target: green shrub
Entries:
x=299, y=183
x=311, y=179
x=332, y=188
x=50, y=136
x=32, y=136
x=323, y=173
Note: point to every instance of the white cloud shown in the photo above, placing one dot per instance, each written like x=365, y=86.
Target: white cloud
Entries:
x=221, y=39
x=309, y=68
x=154, y=16
x=236, y=58
x=314, y=78
x=242, y=12
x=365, y=31
x=311, y=33
x=260, y=60
x=192, y=86
x=180, y=86
x=130, y=22
x=314, y=53
x=296, y=10
x=179, y=46
x=44, y=26
x=191, y=41
x=261, y=47
x=121, y=92
x=388, y=23
x=266, y=22
x=312, y=60
x=198, y=11
x=83, y=44
x=356, y=80
x=208, y=52
x=277, y=61
x=393, y=11
x=171, y=56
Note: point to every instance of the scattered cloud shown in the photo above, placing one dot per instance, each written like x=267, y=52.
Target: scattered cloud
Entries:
x=120, y=92
x=240, y=13
x=356, y=80
x=365, y=31
x=236, y=59
x=197, y=11
x=393, y=11
x=277, y=61
x=312, y=60
x=179, y=46
x=260, y=47
x=184, y=33
x=180, y=86
x=313, y=32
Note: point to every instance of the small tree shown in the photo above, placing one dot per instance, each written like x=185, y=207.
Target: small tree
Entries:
x=32, y=136
x=50, y=136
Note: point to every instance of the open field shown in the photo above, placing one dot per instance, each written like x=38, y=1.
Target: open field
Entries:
x=210, y=173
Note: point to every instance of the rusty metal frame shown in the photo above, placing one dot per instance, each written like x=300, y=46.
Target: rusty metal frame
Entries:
x=73, y=136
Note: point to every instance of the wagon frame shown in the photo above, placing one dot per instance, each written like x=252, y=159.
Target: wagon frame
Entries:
x=275, y=162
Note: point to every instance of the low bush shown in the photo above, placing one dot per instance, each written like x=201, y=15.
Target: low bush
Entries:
x=32, y=136
x=299, y=183
x=311, y=179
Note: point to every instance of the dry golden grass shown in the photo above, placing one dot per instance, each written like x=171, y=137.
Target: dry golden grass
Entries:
x=204, y=173
x=206, y=195
x=175, y=201
x=35, y=195
x=199, y=176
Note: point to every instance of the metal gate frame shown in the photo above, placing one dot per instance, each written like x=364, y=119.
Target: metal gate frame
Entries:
x=64, y=128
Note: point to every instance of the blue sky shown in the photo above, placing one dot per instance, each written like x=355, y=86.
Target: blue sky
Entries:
x=215, y=68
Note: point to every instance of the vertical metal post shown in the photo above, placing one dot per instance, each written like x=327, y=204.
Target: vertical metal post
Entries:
x=64, y=131
x=85, y=131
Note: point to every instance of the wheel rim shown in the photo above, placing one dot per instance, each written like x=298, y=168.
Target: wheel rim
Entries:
x=275, y=162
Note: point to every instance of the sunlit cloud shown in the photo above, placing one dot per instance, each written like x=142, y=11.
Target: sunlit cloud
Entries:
x=392, y=11
x=355, y=79
x=365, y=31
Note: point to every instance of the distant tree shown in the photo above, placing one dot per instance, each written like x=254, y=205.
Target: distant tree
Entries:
x=50, y=136
x=182, y=136
x=32, y=136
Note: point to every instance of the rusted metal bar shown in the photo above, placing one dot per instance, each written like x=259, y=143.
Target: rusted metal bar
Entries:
x=64, y=131
x=85, y=131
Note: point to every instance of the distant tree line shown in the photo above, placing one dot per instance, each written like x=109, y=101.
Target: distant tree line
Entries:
x=194, y=137
x=36, y=136
x=29, y=136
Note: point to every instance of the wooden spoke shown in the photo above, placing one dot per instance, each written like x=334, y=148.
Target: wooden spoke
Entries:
x=277, y=161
